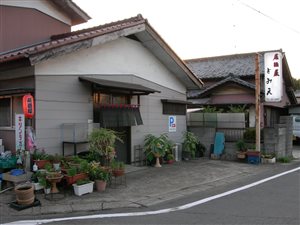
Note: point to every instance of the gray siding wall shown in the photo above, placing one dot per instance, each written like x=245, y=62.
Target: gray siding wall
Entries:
x=60, y=99
x=154, y=122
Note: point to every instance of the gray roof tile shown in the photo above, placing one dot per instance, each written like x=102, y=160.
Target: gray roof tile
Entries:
x=220, y=66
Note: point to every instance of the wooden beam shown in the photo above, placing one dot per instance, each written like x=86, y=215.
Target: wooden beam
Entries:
x=257, y=102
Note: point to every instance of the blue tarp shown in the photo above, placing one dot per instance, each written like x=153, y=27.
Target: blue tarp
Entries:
x=219, y=143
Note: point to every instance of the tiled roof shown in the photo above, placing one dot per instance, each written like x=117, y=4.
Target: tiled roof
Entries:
x=231, y=78
x=221, y=66
x=70, y=38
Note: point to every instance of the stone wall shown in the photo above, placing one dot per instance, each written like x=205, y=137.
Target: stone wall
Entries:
x=278, y=139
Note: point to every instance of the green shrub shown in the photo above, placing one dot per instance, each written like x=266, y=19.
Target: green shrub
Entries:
x=284, y=159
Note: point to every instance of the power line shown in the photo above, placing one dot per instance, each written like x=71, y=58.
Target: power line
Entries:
x=269, y=17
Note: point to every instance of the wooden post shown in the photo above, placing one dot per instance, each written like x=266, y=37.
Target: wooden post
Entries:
x=257, y=102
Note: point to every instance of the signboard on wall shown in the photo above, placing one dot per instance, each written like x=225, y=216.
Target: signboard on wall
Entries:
x=20, y=131
x=273, y=76
x=172, y=124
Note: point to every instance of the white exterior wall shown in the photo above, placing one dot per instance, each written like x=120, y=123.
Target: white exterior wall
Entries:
x=122, y=56
x=62, y=98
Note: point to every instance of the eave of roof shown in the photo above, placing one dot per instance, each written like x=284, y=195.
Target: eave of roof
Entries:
x=138, y=26
x=76, y=14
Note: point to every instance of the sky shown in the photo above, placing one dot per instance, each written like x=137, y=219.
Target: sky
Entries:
x=205, y=28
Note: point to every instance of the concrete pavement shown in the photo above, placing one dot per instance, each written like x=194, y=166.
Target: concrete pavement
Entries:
x=145, y=186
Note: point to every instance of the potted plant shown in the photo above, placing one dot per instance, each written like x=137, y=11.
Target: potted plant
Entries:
x=74, y=173
x=189, y=145
x=99, y=175
x=56, y=160
x=253, y=156
x=156, y=147
x=170, y=158
x=102, y=141
x=83, y=186
x=268, y=157
x=45, y=184
x=201, y=149
x=118, y=168
x=242, y=149
x=40, y=158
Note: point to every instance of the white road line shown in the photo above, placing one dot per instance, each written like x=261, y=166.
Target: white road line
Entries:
x=168, y=210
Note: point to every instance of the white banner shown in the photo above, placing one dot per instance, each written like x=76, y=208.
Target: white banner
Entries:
x=20, y=131
x=273, y=76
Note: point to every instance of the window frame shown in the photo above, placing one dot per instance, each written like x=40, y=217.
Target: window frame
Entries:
x=168, y=109
x=13, y=110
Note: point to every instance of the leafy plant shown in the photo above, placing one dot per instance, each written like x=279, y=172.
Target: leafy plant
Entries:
x=83, y=167
x=44, y=182
x=190, y=142
x=201, y=147
x=82, y=181
x=250, y=134
x=72, y=171
x=48, y=167
x=237, y=108
x=156, y=146
x=98, y=173
x=117, y=165
x=39, y=154
x=211, y=109
x=284, y=159
x=55, y=158
x=102, y=141
x=241, y=145
x=170, y=157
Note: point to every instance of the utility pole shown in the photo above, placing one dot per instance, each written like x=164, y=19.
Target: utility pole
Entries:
x=257, y=102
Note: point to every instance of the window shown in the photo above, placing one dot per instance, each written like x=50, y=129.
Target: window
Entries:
x=5, y=112
x=174, y=109
x=105, y=99
x=9, y=106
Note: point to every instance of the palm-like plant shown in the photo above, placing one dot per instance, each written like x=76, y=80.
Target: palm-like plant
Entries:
x=190, y=142
x=156, y=147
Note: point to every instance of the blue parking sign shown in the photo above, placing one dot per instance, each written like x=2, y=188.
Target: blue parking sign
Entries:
x=172, y=123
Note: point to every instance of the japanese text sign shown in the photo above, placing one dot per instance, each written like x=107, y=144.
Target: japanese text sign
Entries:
x=273, y=76
x=20, y=131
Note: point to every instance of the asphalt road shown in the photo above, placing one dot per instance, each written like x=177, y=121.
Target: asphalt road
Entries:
x=274, y=202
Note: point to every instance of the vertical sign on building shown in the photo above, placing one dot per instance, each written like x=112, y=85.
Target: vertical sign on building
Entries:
x=172, y=123
x=273, y=76
x=20, y=131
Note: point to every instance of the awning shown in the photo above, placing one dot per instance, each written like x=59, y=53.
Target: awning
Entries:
x=118, y=87
x=13, y=91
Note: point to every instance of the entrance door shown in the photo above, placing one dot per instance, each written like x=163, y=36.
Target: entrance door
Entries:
x=123, y=152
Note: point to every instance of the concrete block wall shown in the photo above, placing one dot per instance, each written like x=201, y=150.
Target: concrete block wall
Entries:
x=278, y=139
x=206, y=136
x=288, y=120
x=270, y=139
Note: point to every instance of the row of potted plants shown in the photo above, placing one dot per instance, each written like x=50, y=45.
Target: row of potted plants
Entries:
x=75, y=169
x=157, y=147
x=246, y=150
